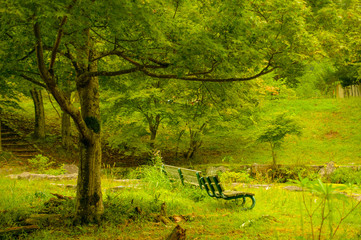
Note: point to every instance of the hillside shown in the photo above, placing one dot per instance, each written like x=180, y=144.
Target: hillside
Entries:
x=330, y=132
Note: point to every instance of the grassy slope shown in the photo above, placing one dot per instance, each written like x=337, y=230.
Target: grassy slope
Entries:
x=331, y=132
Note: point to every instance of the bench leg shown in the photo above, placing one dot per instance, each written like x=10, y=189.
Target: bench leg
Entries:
x=251, y=202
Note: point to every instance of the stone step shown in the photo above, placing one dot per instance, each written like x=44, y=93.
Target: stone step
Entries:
x=9, y=135
x=16, y=144
x=23, y=150
x=25, y=156
x=11, y=141
x=5, y=132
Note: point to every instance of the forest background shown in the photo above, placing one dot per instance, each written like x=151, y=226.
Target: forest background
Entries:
x=195, y=80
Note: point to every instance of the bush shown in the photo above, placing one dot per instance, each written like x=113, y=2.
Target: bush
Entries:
x=346, y=175
x=40, y=162
x=284, y=174
x=229, y=177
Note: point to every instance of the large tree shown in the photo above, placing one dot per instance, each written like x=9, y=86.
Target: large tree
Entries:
x=215, y=41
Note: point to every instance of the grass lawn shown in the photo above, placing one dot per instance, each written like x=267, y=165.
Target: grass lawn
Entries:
x=278, y=214
x=330, y=132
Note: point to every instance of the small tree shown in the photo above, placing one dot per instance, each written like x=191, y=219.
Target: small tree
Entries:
x=275, y=132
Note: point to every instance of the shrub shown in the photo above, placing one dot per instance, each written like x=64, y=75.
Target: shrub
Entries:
x=40, y=162
x=285, y=174
x=229, y=177
x=345, y=175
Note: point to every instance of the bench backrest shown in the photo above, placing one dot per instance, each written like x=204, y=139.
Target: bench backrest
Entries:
x=212, y=186
x=185, y=175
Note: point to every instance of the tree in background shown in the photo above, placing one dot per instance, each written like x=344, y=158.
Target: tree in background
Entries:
x=348, y=75
x=136, y=108
x=337, y=25
x=39, y=129
x=275, y=132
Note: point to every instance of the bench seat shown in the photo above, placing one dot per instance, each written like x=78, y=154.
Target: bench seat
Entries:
x=229, y=193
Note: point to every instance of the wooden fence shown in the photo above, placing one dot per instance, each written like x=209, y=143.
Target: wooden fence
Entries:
x=349, y=91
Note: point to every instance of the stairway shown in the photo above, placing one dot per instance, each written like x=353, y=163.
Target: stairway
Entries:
x=11, y=141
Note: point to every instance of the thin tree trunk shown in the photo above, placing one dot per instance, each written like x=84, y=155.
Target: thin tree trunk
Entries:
x=0, y=138
x=39, y=130
x=65, y=131
x=178, y=140
x=274, y=156
x=153, y=127
x=195, y=141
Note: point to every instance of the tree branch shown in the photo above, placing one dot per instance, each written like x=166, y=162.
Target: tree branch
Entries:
x=83, y=78
x=27, y=55
x=40, y=54
x=205, y=72
x=117, y=40
x=54, y=89
x=33, y=80
x=189, y=77
x=72, y=59
x=132, y=61
x=56, y=45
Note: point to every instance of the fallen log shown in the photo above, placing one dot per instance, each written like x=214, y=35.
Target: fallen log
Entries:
x=18, y=230
x=178, y=233
x=162, y=216
x=61, y=196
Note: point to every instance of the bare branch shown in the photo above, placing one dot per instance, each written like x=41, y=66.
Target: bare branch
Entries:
x=83, y=78
x=176, y=9
x=117, y=40
x=72, y=59
x=27, y=55
x=28, y=72
x=30, y=79
x=132, y=61
x=199, y=79
x=205, y=72
x=164, y=64
x=40, y=53
x=196, y=77
x=58, y=38
x=56, y=45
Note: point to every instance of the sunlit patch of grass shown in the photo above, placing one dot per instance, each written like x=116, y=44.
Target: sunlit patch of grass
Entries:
x=331, y=132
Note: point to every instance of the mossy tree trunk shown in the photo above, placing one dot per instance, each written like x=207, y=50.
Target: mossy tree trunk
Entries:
x=89, y=195
x=66, y=139
x=89, y=202
x=39, y=129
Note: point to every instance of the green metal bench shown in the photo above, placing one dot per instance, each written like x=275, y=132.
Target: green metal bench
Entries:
x=184, y=175
x=215, y=189
x=211, y=184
